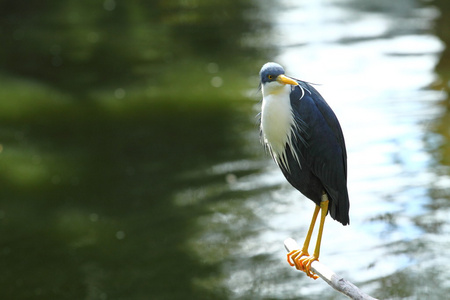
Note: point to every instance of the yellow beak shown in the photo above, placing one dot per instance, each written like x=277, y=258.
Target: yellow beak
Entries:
x=286, y=80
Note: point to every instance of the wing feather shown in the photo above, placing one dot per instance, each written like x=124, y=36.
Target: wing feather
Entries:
x=322, y=145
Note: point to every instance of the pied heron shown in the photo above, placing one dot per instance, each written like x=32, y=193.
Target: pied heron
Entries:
x=303, y=136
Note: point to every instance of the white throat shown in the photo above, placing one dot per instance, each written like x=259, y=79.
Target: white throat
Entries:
x=277, y=121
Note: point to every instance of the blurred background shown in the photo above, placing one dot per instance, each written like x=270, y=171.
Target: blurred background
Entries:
x=130, y=160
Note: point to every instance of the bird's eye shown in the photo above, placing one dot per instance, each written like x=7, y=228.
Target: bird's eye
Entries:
x=270, y=77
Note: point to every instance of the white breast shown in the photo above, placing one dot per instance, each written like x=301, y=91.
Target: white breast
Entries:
x=277, y=121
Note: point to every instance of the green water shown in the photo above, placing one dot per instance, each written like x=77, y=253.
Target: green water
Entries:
x=130, y=164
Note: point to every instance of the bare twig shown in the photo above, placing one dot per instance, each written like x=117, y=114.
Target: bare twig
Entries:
x=335, y=281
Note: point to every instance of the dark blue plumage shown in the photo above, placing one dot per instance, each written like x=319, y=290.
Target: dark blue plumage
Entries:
x=323, y=158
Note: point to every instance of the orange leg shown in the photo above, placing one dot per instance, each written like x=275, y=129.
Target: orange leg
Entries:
x=295, y=258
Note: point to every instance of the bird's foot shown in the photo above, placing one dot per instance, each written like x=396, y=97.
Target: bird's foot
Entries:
x=306, y=262
x=302, y=261
x=293, y=258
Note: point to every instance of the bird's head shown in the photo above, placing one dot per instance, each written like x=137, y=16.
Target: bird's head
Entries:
x=273, y=79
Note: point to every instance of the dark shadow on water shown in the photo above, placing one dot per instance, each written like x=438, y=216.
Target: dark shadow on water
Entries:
x=109, y=104
x=103, y=219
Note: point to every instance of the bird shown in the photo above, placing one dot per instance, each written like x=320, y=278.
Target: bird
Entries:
x=303, y=135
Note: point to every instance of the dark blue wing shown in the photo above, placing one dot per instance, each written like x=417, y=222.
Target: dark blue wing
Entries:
x=321, y=145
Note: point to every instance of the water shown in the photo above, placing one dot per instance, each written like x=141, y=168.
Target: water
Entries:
x=130, y=159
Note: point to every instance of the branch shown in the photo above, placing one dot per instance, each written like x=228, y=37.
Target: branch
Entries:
x=335, y=281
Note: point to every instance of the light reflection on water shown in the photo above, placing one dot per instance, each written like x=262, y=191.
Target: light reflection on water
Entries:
x=374, y=70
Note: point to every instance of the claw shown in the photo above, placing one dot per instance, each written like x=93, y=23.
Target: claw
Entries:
x=289, y=257
x=306, y=262
x=296, y=259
